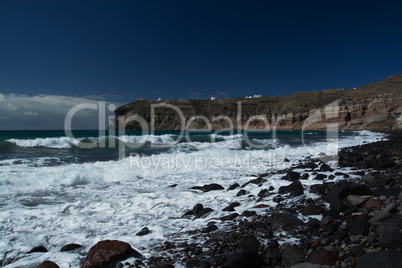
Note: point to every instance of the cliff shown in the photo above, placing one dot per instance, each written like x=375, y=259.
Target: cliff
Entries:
x=375, y=106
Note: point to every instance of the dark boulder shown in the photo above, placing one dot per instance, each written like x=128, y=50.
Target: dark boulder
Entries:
x=312, y=210
x=287, y=222
x=391, y=240
x=48, y=264
x=144, y=231
x=387, y=191
x=248, y=213
x=204, y=213
x=196, y=209
x=208, y=187
x=357, y=251
x=320, y=177
x=263, y=193
x=273, y=243
x=292, y=255
x=233, y=186
x=70, y=247
x=231, y=206
x=294, y=189
x=107, y=252
x=278, y=199
x=257, y=181
x=357, y=226
x=38, y=249
x=337, y=205
x=386, y=162
x=210, y=228
x=368, y=162
x=291, y=176
x=388, y=226
x=304, y=176
x=248, y=259
x=229, y=217
x=249, y=243
x=228, y=208
x=198, y=264
x=383, y=259
x=343, y=189
x=326, y=168
x=312, y=226
x=165, y=265
x=241, y=192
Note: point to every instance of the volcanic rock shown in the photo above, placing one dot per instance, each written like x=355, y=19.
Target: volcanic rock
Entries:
x=48, y=264
x=198, y=264
x=294, y=189
x=70, y=247
x=248, y=259
x=384, y=259
x=38, y=249
x=358, y=226
x=107, y=252
x=208, y=187
x=287, y=222
x=292, y=255
x=292, y=176
x=144, y=231
x=323, y=256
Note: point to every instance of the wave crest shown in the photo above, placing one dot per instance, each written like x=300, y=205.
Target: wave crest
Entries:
x=56, y=143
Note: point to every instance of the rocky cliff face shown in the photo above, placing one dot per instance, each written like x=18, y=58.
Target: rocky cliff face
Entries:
x=375, y=106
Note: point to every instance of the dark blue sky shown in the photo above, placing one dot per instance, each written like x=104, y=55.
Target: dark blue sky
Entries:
x=123, y=50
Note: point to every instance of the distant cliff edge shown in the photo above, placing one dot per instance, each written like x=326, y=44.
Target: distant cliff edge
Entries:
x=375, y=106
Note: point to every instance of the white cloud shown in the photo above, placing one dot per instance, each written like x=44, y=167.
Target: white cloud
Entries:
x=48, y=112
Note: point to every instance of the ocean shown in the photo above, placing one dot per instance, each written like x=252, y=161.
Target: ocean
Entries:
x=91, y=186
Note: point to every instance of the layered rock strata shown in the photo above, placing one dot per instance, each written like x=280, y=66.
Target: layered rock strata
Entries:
x=375, y=106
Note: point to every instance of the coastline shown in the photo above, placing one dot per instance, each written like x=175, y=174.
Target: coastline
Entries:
x=359, y=226
x=262, y=235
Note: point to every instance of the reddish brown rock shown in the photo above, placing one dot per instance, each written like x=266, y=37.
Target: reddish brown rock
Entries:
x=375, y=106
x=108, y=251
x=48, y=264
x=373, y=203
x=323, y=256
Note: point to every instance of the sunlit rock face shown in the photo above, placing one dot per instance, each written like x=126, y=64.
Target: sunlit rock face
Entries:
x=375, y=106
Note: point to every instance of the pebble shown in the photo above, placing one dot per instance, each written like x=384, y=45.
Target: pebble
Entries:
x=383, y=198
x=355, y=200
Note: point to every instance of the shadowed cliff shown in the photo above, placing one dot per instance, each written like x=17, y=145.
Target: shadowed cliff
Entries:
x=375, y=106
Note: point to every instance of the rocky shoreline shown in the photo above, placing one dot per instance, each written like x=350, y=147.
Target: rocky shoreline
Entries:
x=353, y=220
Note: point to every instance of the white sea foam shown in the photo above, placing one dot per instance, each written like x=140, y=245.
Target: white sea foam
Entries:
x=155, y=139
x=227, y=137
x=67, y=142
x=57, y=143
x=89, y=202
